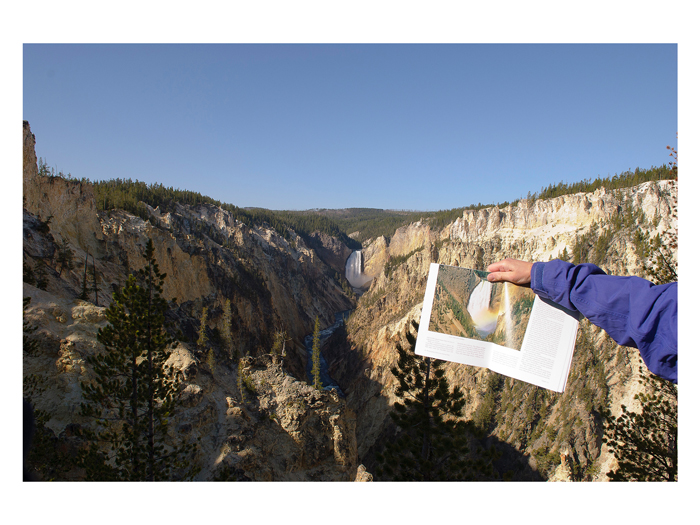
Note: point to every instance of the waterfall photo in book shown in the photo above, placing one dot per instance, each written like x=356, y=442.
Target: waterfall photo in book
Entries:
x=506, y=328
x=468, y=305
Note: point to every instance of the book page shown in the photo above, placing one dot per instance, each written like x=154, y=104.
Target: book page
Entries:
x=506, y=328
x=549, y=345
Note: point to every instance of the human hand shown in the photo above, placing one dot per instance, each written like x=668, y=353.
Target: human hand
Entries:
x=510, y=270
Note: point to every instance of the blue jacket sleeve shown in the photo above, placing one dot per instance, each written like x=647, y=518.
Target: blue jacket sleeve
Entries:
x=633, y=311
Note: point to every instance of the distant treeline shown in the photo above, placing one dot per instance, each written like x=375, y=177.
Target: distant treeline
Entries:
x=624, y=180
x=128, y=195
x=372, y=223
x=369, y=222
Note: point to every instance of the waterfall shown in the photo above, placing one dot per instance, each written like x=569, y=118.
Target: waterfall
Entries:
x=479, y=299
x=509, y=318
x=353, y=270
x=478, y=307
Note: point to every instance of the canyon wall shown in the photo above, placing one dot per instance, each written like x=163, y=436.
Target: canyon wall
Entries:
x=278, y=428
x=283, y=430
x=533, y=426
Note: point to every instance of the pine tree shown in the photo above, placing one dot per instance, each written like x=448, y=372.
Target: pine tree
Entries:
x=239, y=380
x=226, y=329
x=316, y=356
x=279, y=342
x=432, y=442
x=658, y=255
x=645, y=443
x=133, y=392
x=28, y=274
x=202, y=339
x=84, y=291
x=42, y=282
x=65, y=257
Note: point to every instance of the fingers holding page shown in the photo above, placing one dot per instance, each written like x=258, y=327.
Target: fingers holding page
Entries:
x=510, y=270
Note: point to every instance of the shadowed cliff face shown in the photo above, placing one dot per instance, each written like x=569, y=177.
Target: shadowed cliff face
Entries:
x=208, y=257
x=272, y=284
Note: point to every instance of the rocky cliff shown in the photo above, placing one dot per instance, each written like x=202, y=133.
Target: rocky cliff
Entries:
x=531, y=426
x=283, y=429
x=275, y=427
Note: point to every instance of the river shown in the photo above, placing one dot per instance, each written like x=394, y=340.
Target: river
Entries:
x=326, y=380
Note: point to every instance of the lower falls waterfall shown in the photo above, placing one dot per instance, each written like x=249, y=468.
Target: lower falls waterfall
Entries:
x=353, y=270
x=478, y=307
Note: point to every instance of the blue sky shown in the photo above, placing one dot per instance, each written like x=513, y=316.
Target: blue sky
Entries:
x=421, y=127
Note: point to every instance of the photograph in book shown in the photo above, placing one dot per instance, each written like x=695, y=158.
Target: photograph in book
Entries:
x=467, y=305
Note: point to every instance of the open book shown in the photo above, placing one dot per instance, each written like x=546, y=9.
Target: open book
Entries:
x=500, y=326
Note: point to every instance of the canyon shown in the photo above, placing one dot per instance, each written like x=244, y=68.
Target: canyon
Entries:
x=280, y=282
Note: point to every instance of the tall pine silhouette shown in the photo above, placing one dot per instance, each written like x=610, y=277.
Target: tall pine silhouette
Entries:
x=432, y=443
x=316, y=356
x=133, y=393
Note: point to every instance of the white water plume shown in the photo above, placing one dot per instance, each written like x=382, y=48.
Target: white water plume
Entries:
x=478, y=308
x=509, y=318
x=353, y=270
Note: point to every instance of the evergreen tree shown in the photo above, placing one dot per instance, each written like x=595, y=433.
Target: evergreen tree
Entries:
x=316, y=356
x=28, y=274
x=226, y=334
x=42, y=282
x=202, y=339
x=65, y=257
x=658, y=255
x=211, y=359
x=84, y=291
x=133, y=393
x=645, y=443
x=432, y=442
x=564, y=256
x=240, y=380
x=279, y=343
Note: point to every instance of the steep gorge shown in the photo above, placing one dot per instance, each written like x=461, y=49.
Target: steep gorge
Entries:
x=274, y=285
x=285, y=430
x=533, y=428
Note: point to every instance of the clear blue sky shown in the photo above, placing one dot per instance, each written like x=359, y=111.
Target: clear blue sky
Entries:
x=421, y=127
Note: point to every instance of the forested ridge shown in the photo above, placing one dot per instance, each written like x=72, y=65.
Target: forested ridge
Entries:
x=372, y=223
x=128, y=195
x=365, y=223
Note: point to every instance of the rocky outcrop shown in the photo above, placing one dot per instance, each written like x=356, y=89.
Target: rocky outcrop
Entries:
x=69, y=203
x=564, y=472
x=405, y=240
x=375, y=255
x=363, y=475
x=550, y=225
x=528, y=425
x=275, y=428
x=285, y=430
x=332, y=251
x=410, y=238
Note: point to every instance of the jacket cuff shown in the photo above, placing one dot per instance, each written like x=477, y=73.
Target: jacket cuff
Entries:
x=536, y=277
